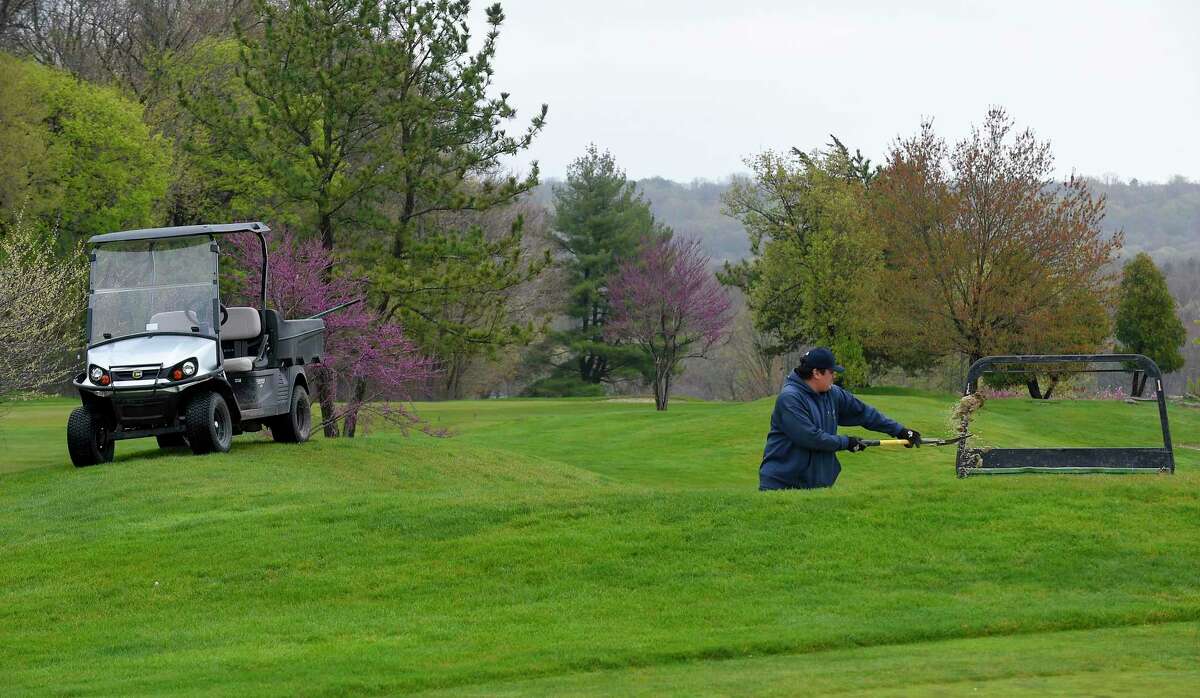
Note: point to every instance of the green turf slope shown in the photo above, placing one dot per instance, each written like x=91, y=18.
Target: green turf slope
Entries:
x=594, y=547
x=1157, y=660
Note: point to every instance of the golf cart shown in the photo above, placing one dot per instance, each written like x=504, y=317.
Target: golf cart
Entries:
x=165, y=358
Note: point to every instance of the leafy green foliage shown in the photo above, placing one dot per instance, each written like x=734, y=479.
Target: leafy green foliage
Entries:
x=1146, y=321
x=459, y=305
x=355, y=105
x=814, y=273
x=213, y=180
x=78, y=158
x=599, y=222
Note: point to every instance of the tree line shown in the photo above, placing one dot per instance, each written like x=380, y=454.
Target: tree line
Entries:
x=970, y=249
x=373, y=136
x=372, y=129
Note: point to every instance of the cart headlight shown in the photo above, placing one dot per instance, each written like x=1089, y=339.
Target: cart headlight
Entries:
x=99, y=376
x=184, y=369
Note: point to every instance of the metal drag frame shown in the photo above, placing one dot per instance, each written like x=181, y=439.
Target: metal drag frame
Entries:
x=978, y=461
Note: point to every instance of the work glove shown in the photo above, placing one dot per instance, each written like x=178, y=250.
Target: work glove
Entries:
x=855, y=444
x=913, y=436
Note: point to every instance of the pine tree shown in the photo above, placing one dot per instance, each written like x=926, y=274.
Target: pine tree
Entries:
x=600, y=220
x=375, y=113
x=1146, y=319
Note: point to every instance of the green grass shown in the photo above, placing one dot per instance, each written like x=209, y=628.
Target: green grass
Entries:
x=592, y=547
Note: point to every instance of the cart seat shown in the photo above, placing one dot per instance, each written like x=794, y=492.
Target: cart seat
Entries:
x=242, y=325
x=239, y=364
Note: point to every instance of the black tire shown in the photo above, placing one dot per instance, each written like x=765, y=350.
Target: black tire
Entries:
x=89, y=437
x=172, y=441
x=295, y=426
x=209, y=424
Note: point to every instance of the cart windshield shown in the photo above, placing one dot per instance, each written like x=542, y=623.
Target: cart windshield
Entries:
x=153, y=286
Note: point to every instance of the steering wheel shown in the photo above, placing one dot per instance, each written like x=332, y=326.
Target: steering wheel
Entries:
x=224, y=315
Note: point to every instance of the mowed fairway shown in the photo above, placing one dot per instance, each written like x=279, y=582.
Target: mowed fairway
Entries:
x=585, y=547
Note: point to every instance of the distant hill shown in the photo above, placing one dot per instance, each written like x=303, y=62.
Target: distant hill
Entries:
x=1161, y=219
x=691, y=209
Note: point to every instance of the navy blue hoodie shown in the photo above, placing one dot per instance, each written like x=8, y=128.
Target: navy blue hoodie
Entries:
x=803, y=436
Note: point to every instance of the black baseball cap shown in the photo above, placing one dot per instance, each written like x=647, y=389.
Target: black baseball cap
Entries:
x=820, y=357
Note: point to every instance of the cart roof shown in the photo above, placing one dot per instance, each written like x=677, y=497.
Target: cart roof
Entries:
x=180, y=231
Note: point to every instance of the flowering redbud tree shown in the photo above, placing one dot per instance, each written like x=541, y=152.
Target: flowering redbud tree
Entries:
x=668, y=303
x=360, y=350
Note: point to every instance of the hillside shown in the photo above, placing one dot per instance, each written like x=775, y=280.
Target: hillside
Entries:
x=596, y=547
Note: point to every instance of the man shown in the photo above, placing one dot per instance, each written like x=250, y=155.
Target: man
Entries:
x=803, y=436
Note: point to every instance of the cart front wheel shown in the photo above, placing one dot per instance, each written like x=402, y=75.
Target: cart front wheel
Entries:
x=209, y=425
x=89, y=438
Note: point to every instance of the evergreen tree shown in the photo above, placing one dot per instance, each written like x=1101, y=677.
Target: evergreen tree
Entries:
x=1146, y=319
x=600, y=220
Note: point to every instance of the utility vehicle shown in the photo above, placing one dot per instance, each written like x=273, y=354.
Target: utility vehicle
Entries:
x=165, y=358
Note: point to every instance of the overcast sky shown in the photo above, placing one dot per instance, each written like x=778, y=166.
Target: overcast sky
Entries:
x=687, y=89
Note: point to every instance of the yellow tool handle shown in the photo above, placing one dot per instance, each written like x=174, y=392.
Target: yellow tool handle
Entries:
x=893, y=442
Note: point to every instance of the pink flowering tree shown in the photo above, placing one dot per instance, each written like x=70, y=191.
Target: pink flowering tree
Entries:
x=360, y=349
x=666, y=302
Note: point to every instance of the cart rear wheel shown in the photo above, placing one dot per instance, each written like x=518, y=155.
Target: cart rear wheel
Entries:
x=89, y=438
x=209, y=425
x=296, y=425
x=172, y=441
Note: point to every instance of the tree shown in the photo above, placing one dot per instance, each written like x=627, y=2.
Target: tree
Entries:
x=130, y=43
x=816, y=256
x=985, y=254
x=375, y=116
x=599, y=222
x=1146, y=321
x=356, y=99
x=77, y=157
x=468, y=307
x=12, y=16
x=57, y=33
x=41, y=309
x=669, y=305
x=510, y=245
x=212, y=181
x=358, y=345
